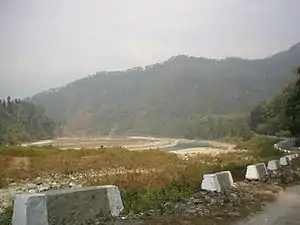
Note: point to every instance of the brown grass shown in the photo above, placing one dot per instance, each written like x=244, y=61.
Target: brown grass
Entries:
x=27, y=163
x=175, y=169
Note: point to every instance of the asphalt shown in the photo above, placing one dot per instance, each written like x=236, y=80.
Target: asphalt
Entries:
x=284, y=142
x=284, y=211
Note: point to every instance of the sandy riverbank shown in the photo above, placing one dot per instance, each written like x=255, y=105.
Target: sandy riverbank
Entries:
x=131, y=143
x=215, y=149
x=137, y=143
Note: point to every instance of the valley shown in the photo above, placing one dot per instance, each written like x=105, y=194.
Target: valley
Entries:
x=149, y=112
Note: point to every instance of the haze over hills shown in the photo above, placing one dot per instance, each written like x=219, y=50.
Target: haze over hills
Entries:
x=168, y=98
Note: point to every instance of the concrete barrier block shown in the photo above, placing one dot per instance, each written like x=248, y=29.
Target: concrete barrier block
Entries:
x=67, y=206
x=217, y=182
x=292, y=157
x=30, y=209
x=225, y=179
x=273, y=165
x=284, y=161
x=256, y=172
x=210, y=182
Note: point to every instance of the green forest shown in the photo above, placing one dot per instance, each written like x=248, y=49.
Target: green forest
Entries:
x=214, y=127
x=280, y=116
x=23, y=121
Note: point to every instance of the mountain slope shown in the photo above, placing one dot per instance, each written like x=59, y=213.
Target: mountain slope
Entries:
x=163, y=98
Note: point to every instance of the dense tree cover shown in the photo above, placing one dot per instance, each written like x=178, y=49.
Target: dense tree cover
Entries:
x=280, y=116
x=162, y=99
x=219, y=127
x=292, y=108
x=23, y=121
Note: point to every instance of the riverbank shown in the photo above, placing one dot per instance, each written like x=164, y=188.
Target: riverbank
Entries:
x=131, y=143
x=215, y=148
x=136, y=143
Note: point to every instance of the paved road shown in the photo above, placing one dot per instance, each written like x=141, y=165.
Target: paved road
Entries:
x=288, y=144
x=285, y=211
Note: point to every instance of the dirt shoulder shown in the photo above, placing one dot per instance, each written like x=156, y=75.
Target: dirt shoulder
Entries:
x=285, y=210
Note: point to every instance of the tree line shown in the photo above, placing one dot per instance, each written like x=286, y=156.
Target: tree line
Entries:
x=23, y=121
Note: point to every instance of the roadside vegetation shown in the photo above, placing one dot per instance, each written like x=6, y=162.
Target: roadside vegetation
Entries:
x=280, y=116
x=260, y=147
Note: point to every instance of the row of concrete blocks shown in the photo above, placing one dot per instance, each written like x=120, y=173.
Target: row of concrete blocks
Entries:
x=259, y=171
x=217, y=182
x=282, y=149
x=222, y=181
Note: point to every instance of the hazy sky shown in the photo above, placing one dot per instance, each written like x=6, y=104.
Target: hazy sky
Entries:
x=47, y=43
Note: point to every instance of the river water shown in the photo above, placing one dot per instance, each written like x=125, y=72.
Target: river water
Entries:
x=185, y=145
x=130, y=143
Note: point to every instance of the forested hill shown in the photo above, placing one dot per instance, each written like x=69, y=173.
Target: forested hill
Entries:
x=280, y=116
x=167, y=98
x=23, y=121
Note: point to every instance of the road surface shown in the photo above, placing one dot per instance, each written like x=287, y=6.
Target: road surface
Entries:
x=285, y=211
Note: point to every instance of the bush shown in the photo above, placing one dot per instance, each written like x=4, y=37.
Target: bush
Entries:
x=283, y=133
x=136, y=201
x=261, y=147
x=6, y=216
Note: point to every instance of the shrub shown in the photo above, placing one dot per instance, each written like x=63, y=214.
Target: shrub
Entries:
x=283, y=133
x=261, y=147
x=6, y=216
